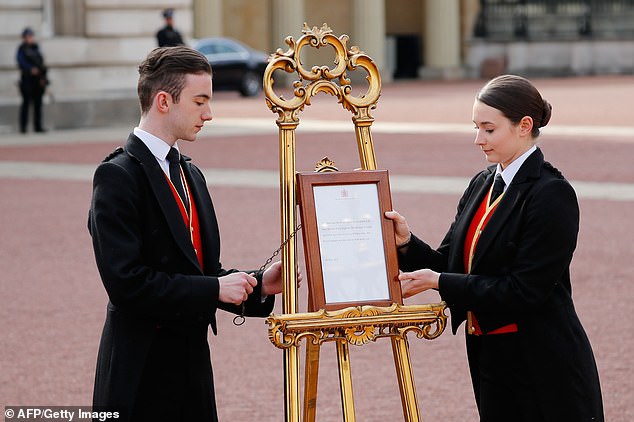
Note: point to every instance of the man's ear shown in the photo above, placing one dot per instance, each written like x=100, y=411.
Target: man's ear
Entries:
x=526, y=125
x=163, y=101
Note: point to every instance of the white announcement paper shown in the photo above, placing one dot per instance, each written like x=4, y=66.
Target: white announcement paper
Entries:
x=351, y=243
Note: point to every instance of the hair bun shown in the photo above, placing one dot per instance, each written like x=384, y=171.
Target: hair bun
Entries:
x=547, y=112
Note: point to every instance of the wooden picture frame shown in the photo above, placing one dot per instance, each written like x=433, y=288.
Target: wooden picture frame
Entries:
x=349, y=244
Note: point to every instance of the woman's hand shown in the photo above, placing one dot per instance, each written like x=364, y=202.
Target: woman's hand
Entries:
x=401, y=228
x=418, y=281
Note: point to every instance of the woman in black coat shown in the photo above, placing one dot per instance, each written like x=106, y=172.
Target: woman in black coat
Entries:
x=504, y=267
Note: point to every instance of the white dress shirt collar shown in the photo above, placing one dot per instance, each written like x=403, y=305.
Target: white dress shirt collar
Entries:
x=158, y=147
x=511, y=170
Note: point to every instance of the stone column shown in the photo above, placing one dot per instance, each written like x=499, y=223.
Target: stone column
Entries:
x=208, y=18
x=470, y=11
x=70, y=18
x=288, y=18
x=442, y=39
x=368, y=31
x=48, y=19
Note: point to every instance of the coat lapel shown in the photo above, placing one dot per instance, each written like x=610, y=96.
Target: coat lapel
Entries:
x=206, y=216
x=521, y=183
x=464, y=221
x=156, y=178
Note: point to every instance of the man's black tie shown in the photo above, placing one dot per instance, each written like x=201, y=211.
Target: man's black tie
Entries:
x=498, y=188
x=175, y=175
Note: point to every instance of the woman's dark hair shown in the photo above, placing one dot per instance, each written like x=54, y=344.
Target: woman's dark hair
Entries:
x=516, y=97
x=164, y=69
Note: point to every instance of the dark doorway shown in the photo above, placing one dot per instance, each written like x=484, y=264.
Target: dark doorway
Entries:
x=407, y=56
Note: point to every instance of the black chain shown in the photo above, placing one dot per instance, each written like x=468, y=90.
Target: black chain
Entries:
x=239, y=319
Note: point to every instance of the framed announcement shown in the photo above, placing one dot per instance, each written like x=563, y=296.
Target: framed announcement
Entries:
x=349, y=244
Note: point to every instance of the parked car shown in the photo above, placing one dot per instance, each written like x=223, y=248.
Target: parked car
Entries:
x=235, y=66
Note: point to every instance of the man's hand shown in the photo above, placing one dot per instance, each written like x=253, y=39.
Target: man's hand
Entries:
x=418, y=281
x=401, y=228
x=236, y=287
x=272, y=279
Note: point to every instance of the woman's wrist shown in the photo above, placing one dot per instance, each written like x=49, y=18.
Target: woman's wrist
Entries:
x=404, y=244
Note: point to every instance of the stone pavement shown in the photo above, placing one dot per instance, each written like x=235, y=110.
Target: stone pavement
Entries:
x=52, y=303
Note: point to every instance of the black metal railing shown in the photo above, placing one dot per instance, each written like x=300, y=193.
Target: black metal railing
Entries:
x=542, y=20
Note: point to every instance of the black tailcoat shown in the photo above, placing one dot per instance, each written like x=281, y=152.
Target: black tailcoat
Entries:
x=520, y=274
x=161, y=301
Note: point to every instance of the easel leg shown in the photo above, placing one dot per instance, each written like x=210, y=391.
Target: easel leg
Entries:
x=345, y=381
x=291, y=384
x=400, y=348
x=310, y=380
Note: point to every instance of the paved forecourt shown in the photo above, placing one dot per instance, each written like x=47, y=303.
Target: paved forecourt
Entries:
x=52, y=303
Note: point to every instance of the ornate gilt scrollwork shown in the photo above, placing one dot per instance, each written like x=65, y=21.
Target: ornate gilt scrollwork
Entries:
x=333, y=80
x=357, y=325
x=325, y=165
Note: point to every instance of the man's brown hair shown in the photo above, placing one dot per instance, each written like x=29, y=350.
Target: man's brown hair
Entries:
x=164, y=69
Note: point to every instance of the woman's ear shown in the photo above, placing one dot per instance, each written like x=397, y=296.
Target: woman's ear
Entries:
x=526, y=125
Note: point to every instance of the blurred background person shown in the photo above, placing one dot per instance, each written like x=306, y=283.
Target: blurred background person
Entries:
x=33, y=80
x=168, y=36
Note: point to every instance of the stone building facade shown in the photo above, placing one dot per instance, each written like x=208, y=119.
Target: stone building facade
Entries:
x=93, y=46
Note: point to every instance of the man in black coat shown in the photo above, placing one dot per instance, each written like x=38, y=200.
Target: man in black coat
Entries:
x=157, y=248
x=33, y=80
x=168, y=36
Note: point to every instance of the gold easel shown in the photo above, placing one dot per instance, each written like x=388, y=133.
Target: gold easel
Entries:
x=357, y=325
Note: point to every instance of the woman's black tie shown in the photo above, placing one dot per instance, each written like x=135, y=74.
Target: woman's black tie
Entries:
x=498, y=188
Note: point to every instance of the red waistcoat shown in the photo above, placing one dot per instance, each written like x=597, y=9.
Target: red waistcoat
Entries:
x=191, y=224
x=479, y=222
